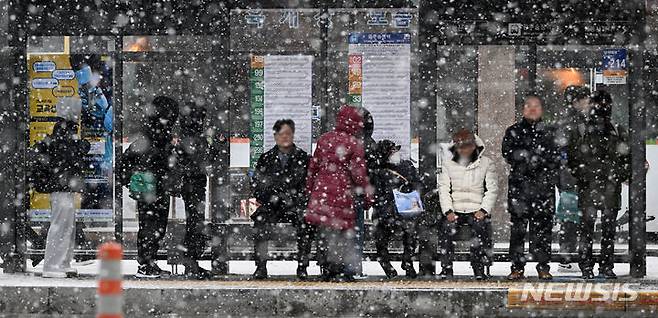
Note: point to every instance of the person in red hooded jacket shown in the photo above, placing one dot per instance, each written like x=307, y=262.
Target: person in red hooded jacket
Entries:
x=337, y=172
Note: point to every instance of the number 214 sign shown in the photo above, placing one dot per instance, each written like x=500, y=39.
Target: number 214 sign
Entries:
x=614, y=66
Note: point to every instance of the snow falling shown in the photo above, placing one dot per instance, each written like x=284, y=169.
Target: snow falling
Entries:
x=328, y=158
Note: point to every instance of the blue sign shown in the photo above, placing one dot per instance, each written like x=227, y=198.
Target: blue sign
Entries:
x=379, y=38
x=614, y=59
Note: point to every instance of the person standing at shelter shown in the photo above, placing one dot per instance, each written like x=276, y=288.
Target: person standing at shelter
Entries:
x=572, y=123
x=530, y=149
x=337, y=172
x=60, y=163
x=279, y=186
x=144, y=169
x=467, y=192
x=373, y=165
x=191, y=160
x=401, y=175
x=599, y=159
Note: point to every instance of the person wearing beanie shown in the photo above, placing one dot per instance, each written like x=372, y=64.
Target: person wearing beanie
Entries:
x=599, y=160
x=396, y=174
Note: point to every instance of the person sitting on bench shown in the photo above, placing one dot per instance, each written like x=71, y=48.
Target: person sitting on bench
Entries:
x=278, y=184
x=467, y=192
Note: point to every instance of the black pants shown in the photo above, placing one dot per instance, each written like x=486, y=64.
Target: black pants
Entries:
x=385, y=230
x=263, y=233
x=480, y=242
x=194, y=195
x=540, y=224
x=531, y=212
x=594, y=198
x=427, y=246
x=152, y=227
x=568, y=240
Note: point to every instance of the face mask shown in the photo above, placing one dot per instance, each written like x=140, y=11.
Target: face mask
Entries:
x=395, y=158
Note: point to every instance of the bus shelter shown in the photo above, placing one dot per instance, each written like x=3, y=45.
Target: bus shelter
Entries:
x=424, y=69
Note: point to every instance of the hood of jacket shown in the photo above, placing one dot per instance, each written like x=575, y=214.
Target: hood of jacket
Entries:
x=477, y=154
x=349, y=121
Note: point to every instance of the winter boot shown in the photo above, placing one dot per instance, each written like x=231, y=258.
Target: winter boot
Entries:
x=516, y=274
x=388, y=269
x=301, y=272
x=544, y=275
x=330, y=272
x=587, y=273
x=261, y=271
x=194, y=271
x=427, y=270
x=607, y=273
x=409, y=269
x=446, y=273
x=478, y=272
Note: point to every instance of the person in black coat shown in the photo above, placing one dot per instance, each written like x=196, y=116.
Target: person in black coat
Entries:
x=58, y=164
x=278, y=185
x=151, y=153
x=572, y=122
x=529, y=147
x=599, y=159
x=394, y=174
x=192, y=158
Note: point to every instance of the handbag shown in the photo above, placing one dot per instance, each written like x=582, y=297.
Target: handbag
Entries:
x=567, y=207
x=142, y=186
x=407, y=204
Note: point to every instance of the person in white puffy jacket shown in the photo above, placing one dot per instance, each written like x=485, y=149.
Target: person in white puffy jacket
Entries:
x=467, y=192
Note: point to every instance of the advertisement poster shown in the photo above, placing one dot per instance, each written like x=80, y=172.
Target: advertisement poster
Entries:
x=54, y=86
x=281, y=88
x=380, y=80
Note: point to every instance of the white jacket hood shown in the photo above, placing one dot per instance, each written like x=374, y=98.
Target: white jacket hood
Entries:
x=479, y=144
x=467, y=189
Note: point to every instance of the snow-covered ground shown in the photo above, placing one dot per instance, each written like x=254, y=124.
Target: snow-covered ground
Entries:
x=288, y=268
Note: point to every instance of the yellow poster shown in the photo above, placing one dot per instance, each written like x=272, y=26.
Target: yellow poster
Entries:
x=50, y=78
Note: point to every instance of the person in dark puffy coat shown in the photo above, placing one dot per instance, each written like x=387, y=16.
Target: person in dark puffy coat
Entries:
x=188, y=165
x=59, y=170
x=279, y=186
x=572, y=122
x=151, y=152
x=337, y=172
x=401, y=175
x=530, y=149
x=599, y=159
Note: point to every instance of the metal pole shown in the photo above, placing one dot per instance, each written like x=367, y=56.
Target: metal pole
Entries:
x=637, y=184
x=117, y=130
x=637, y=139
x=21, y=218
x=427, y=128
